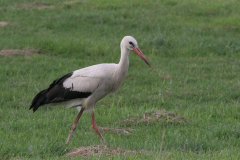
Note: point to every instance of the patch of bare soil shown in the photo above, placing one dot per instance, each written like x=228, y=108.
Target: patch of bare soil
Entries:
x=3, y=24
x=37, y=5
x=159, y=115
x=21, y=52
x=117, y=130
x=96, y=150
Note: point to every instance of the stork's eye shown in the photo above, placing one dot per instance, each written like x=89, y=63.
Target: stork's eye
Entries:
x=131, y=43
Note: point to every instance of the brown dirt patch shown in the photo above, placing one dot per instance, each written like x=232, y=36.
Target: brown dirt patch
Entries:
x=96, y=150
x=35, y=5
x=159, y=115
x=117, y=130
x=3, y=24
x=21, y=52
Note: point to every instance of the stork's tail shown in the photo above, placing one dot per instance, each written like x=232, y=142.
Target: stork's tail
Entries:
x=39, y=100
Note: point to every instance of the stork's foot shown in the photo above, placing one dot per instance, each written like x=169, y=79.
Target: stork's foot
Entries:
x=95, y=127
x=70, y=135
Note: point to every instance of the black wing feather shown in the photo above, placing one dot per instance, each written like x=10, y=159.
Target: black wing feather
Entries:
x=56, y=93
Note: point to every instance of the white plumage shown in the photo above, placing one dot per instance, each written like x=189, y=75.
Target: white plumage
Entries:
x=85, y=87
x=99, y=79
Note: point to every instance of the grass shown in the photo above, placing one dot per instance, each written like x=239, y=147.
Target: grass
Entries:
x=193, y=47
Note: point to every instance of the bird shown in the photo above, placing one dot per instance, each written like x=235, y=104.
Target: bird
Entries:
x=83, y=88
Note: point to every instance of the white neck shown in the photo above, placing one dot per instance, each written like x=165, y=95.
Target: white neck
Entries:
x=124, y=61
x=121, y=70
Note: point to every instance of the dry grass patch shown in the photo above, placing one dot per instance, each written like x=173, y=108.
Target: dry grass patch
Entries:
x=159, y=115
x=72, y=3
x=117, y=130
x=231, y=27
x=168, y=77
x=35, y=5
x=96, y=150
x=3, y=24
x=21, y=52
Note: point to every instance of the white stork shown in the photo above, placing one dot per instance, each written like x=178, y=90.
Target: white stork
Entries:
x=83, y=88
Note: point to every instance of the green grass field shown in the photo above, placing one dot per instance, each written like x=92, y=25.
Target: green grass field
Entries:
x=193, y=47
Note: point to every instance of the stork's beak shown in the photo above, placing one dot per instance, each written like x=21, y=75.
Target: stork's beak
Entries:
x=141, y=55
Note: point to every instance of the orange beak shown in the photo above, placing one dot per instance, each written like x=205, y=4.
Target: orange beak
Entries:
x=141, y=55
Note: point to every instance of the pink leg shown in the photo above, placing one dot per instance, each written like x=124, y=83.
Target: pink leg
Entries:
x=95, y=127
x=74, y=125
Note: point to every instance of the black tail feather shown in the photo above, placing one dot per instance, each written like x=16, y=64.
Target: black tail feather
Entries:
x=38, y=100
x=57, y=93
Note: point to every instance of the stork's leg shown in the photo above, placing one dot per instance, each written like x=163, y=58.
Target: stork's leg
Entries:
x=75, y=124
x=95, y=127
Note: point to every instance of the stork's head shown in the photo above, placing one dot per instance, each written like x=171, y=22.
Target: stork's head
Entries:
x=130, y=43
